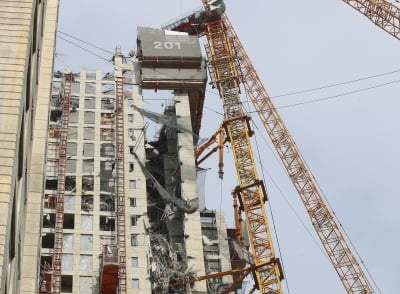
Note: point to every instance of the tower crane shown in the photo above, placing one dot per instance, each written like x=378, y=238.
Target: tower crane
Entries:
x=229, y=66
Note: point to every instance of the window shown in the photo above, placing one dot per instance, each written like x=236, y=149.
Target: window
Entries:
x=90, y=102
x=107, y=134
x=88, y=133
x=134, y=219
x=86, y=242
x=51, y=166
x=86, y=222
x=86, y=263
x=132, y=202
x=130, y=102
x=68, y=241
x=107, y=119
x=90, y=88
x=131, y=133
x=132, y=184
x=134, y=262
x=85, y=285
x=66, y=283
x=88, y=149
x=89, y=117
x=134, y=241
x=67, y=262
x=107, y=103
x=53, y=148
x=130, y=117
x=74, y=102
x=131, y=166
x=135, y=283
x=50, y=201
x=107, y=150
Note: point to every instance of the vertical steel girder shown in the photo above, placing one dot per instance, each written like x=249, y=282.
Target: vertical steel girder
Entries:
x=322, y=218
x=250, y=189
x=381, y=12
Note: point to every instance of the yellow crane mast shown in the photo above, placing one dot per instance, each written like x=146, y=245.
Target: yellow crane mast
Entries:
x=251, y=190
x=322, y=218
x=381, y=12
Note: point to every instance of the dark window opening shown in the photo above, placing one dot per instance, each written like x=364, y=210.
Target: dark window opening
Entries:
x=49, y=220
x=107, y=150
x=66, y=284
x=107, y=223
x=87, y=183
x=13, y=231
x=87, y=203
x=69, y=221
x=48, y=240
x=132, y=202
x=107, y=203
x=134, y=219
x=134, y=241
x=55, y=115
x=50, y=201
x=21, y=148
x=51, y=184
x=70, y=183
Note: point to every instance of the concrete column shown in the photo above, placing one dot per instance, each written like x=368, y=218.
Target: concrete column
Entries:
x=192, y=225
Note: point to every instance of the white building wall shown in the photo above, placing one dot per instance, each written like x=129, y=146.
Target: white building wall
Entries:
x=25, y=50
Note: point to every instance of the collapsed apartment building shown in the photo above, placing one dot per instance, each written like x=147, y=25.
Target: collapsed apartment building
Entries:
x=121, y=212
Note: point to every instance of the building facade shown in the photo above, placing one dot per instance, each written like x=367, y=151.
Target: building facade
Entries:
x=91, y=205
x=27, y=35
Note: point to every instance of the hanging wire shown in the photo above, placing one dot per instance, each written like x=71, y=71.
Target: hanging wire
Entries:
x=337, y=84
x=84, y=49
x=85, y=42
x=338, y=95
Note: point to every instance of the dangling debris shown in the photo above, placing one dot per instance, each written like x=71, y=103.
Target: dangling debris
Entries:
x=163, y=119
x=187, y=206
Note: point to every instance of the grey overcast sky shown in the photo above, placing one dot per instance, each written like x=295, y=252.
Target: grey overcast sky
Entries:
x=351, y=143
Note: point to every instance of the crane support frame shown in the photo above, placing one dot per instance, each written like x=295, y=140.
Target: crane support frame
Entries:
x=222, y=60
x=381, y=12
x=322, y=218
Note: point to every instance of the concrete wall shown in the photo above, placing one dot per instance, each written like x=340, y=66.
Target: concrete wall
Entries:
x=192, y=225
x=21, y=35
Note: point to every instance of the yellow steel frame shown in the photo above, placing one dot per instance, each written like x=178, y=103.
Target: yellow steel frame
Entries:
x=251, y=191
x=381, y=12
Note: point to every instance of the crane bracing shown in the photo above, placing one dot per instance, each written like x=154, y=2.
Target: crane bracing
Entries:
x=381, y=12
x=251, y=190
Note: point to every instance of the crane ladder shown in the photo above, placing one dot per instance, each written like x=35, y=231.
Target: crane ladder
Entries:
x=119, y=165
x=250, y=190
x=322, y=218
x=62, y=162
